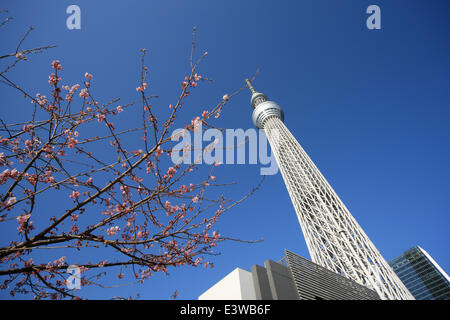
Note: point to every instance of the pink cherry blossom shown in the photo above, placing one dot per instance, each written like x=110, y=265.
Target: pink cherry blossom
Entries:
x=171, y=171
x=23, y=218
x=84, y=93
x=159, y=151
x=100, y=117
x=113, y=230
x=75, y=195
x=56, y=65
x=142, y=88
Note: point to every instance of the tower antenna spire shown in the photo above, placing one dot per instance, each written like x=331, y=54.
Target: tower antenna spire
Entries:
x=250, y=86
x=257, y=97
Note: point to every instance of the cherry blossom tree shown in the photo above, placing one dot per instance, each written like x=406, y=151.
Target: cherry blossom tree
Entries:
x=132, y=206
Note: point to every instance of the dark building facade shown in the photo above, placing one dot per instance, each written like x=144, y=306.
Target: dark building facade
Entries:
x=423, y=277
x=296, y=278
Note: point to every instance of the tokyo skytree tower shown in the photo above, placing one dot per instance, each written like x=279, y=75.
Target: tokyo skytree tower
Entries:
x=334, y=238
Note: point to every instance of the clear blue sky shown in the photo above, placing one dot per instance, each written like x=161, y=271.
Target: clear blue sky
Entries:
x=371, y=107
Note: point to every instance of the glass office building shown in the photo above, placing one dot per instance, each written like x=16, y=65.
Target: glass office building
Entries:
x=423, y=277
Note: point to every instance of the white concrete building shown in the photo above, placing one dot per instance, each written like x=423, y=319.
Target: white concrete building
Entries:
x=237, y=285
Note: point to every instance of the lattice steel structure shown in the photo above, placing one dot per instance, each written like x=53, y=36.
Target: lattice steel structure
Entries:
x=334, y=238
